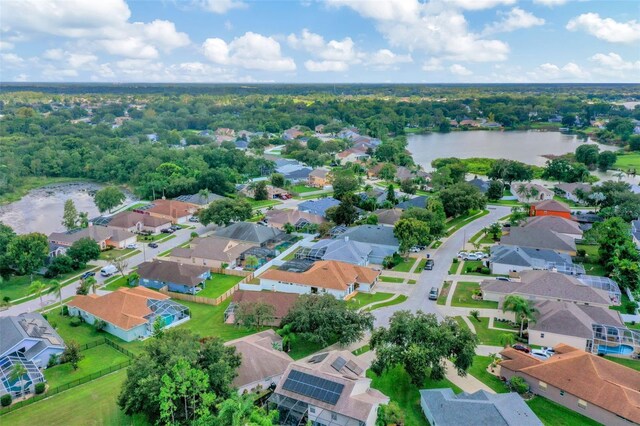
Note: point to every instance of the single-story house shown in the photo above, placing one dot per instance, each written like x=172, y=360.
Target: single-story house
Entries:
x=420, y=201
x=282, y=302
x=546, y=285
x=318, y=207
x=129, y=313
x=211, y=251
x=557, y=224
x=550, y=208
x=442, y=407
x=342, y=250
x=527, y=192
x=319, y=178
x=569, y=190
x=507, y=260
x=339, y=279
x=27, y=340
x=173, y=210
x=570, y=323
x=329, y=388
x=482, y=185
x=103, y=235
x=539, y=238
x=198, y=200
x=262, y=364
x=56, y=250
x=272, y=192
x=250, y=233
x=593, y=386
x=299, y=219
x=635, y=232
x=175, y=276
x=352, y=155
x=295, y=173
x=380, y=237
x=291, y=134
x=388, y=216
x=136, y=222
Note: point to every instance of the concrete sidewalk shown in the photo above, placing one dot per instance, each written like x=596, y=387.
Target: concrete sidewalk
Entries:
x=467, y=383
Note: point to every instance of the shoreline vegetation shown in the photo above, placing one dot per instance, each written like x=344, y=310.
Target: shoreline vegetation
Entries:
x=36, y=182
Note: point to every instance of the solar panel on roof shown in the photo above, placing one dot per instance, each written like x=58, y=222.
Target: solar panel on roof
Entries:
x=339, y=363
x=313, y=387
x=355, y=368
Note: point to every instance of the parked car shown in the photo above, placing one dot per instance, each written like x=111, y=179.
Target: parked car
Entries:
x=481, y=254
x=503, y=279
x=175, y=228
x=194, y=219
x=132, y=246
x=549, y=351
x=462, y=254
x=153, y=245
x=108, y=270
x=168, y=231
x=433, y=293
x=471, y=256
x=87, y=275
x=414, y=249
x=540, y=354
x=429, y=265
x=522, y=348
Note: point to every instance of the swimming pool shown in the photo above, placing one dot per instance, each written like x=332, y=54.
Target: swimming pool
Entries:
x=620, y=349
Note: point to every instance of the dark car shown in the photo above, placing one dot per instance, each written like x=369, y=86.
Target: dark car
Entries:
x=167, y=231
x=429, y=265
x=88, y=274
x=433, y=293
x=503, y=279
x=521, y=348
x=153, y=245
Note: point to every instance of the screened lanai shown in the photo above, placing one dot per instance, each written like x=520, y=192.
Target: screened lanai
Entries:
x=23, y=385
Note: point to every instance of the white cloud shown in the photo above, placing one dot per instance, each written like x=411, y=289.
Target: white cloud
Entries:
x=21, y=77
x=385, y=58
x=550, y=3
x=77, y=60
x=552, y=72
x=53, y=54
x=130, y=47
x=481, y=4
x=334, y=50
x=11, y=60
x=6, y=45
x=382, y=10
x=251, y=51
x=326, y=66
x=458, y=69
x=221, y=6
x=606, y=28
x=164, y=34
x=433, y=64
x=513, y=20
x=614, y=66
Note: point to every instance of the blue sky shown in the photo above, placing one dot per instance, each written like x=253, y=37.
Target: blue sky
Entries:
x=360, y=41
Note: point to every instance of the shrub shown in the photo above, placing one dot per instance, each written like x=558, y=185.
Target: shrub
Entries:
x=475, y=314
x=40, y=388
x=65, y=310
x=54, y=360
x=194, y=234
x=485, y=271
x=517, y=384
x=581, y=252
x=99, y=325
x=75, y=322
x=5, y=400
x=455, y=260
x=630, y=307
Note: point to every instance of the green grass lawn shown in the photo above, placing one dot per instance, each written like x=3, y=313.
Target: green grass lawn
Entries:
x=444, y=292
x=303, y=348
x=505, y=326
x=391, y=279
x=112, y=254
x=628, y=161
x=479, y=371
x=315, y=196
x=400, y=299
x=262, y=203
x=17, y=287
x=552, y=414
x=405, y=265
x=411, y=281
x=396, y=384
x=94, y=359
x=301, y=189
x=486, y=336
x=207, y=320
x=137, y=205
x=115, y=283
x=459, y=222
x=361, y=350
x=420, y=266
x=627, y=362
x=620, y=308
x=92, y=403
x=219, y=284
x=454, y=267
x=473, y=264
x=462, y=297
x=362, y=299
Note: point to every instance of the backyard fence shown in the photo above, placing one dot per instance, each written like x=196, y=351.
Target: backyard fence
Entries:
x=200, y=299
x=230, y=272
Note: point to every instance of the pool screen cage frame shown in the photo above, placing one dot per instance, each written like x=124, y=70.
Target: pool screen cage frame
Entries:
x=610, y=335
x=17, y=388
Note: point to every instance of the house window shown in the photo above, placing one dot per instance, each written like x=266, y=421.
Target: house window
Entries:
x=542, y=385
x=334, y=416
x=582, y=404
x=561, y=392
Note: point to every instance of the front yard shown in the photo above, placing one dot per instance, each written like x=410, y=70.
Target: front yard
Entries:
x=486, y=336
x=405, y=265
x=113, y=254
x=444, y=292
x=552, y=414
x=362, y=299
x=479, y=371
x=391, y=279
x=218, y=284
x=258, y=204
x=301, y=189
x=463, y=297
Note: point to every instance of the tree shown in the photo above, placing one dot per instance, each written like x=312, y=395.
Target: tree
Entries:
x=626, y=272
x=83, y=220
x=288, y=336
x=344, y=182
x=55, y=288
x=323, y=319
x=606, y=160
x=108, y=198
x=240, y=410
x=507, y=339
x=495, y=229
x=223, y=212
x=391, y=195
x=260, y=191
x=277, y=180
x=82, y=251
x=495, y=190
x=70, y=215
x=251, y=262
x=288, y=228
x=27, y=253
x=456, y=168
x=37, y=288
x=410, y=233
x=59, y=265
x=522, y=308
x=121, y=264
x=390, y=414
x=408, y=186
x=72, y=354
x=587, y=154
x=612, y=234
x=18, y=371
x=458, y=199
x=254, y=315
x=344, y=213
x=421, y=344
x=91, y=283
x=509, y=171
x=387, y=171
x=518, y=214
x=158, y=327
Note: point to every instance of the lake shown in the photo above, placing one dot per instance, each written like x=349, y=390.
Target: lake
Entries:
x=41, y=209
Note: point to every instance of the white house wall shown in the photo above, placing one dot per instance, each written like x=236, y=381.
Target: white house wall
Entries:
x=552, y=339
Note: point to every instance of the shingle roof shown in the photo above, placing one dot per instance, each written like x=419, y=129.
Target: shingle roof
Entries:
x=600, y=382
x=319, y=206
x=372, y=234
x=419, y=201
x=482, y=185
x=281, y=217
x=552, y=205
x=344, y=250
x=320, y=173
x=553, y=223
x=326, y=274
x=173, y=272
x=212, y=248
x=388, y=216
x=14, y=329
x=248, y=232
x=282, y=302
x=96, y=233
x=572, y=187
x=538, y=238
x=129, y=219
x=171, y=208
x=528, y=256
x=199, y=199
x=569, y=319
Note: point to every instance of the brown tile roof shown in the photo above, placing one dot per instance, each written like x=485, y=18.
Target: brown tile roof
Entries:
x=552, y=205
x=326, y=274
x=320, y=173
x=281, y=301
x=600, y=382
x=557, y=224
x=174, y=272
x=129, y=219
x=125, y=308
x=172, y=208
x=347, y=152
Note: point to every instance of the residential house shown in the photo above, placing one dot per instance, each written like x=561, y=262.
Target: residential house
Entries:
x=527, y=192
x=570, y=190
x=105, y=236
x=272, y=192
x=200, y=200
x=129, y=313
x=262, y=363
x=420, y=201
x=295, y=174
x=27, y=340
x=550, y=208
x=241, y=144
x=602, y=390
x=558, y=224
x=352, y=155
x=330, y=388
x=212, y=252
x=291, y=134
x=250, y=233
x=136, y=222
x=635, y=232
x=381, y=239
x=299, y=219
x=173, y=210
x=282, y=303
x=572, y=324
x=224, y=131
x=56, y=250
x=319, y=178
x=318, y=207
x=442, y=407
x=349, y=133
x=511, y=260
x=175, y=276
x=482, y=185
x=342, y=250
x=539, y=238
x=388, y=216
x=546, y=285
x=339, y=279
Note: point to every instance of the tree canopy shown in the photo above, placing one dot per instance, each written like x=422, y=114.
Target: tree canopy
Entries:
x=223, y=212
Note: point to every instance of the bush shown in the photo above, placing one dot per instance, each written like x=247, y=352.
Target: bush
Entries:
x=75, y=322
x=455, y=260
x=517, y=384
x=54, y=360
x=65, y=310
x=630, y=307
x=485, y=271
x=5, y=400
x=581, y=252
x=99, y=325
x=194, y=235
x=40, y=388
x=475, y=314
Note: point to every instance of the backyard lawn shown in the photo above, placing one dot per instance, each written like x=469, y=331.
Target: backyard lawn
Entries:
x=479, y=371
x=462, y=297
x=93, y=403
x=552, y=414
x=207, y=320
x=627, y=362
x=301, y=189
x=391, y=279
x=362, y=299
x=628, y=161
x=94, y=359
x=17, y=287
x=218, y=284
x=405, y=265
x=486, y=336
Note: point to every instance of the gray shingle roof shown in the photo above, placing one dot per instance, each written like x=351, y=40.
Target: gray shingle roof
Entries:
x=199, y=199
x=553, y=223
x=372, y=234
x=318, y=207
x=570, y=319
x=527, y=256
x=14, y=329
x=172, y=272
x=344, y=250
x=251, y=232
x=419, y=201
x=538, y=238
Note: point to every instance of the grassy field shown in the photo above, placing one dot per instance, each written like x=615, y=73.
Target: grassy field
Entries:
x=391, y=279
x=444, y=292
x=400, y=299
x=17, y=287
x=262, y=203
x=405, y=265
x=362, y=299
x=207, y=320
x=110, y=255
x=361, y=350
x=301, y=189
x=219, y=284
x=94, y=360
x=116, y=283
x=552, y=414
x=93, y=404
x=486, y=336
x=462, y=297
x=627, y=362
x=479, y=371
x=628, y=161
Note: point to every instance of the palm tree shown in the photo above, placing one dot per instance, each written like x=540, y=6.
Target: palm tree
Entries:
x=92, y=283
x=521, y=307
x=204, y=194
x=17, y=373
x=507, y=339
x=288, y=337
x=56, y=289
x=37, y=287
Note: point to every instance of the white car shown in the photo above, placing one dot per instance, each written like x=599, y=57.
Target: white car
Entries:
x=471, y=256
x=462, y=254
x=132, y=246
x=540, y=354
x=414, y=250
x=480, y=254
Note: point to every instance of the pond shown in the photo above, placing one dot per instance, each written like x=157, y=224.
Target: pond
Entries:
x=41, y=209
